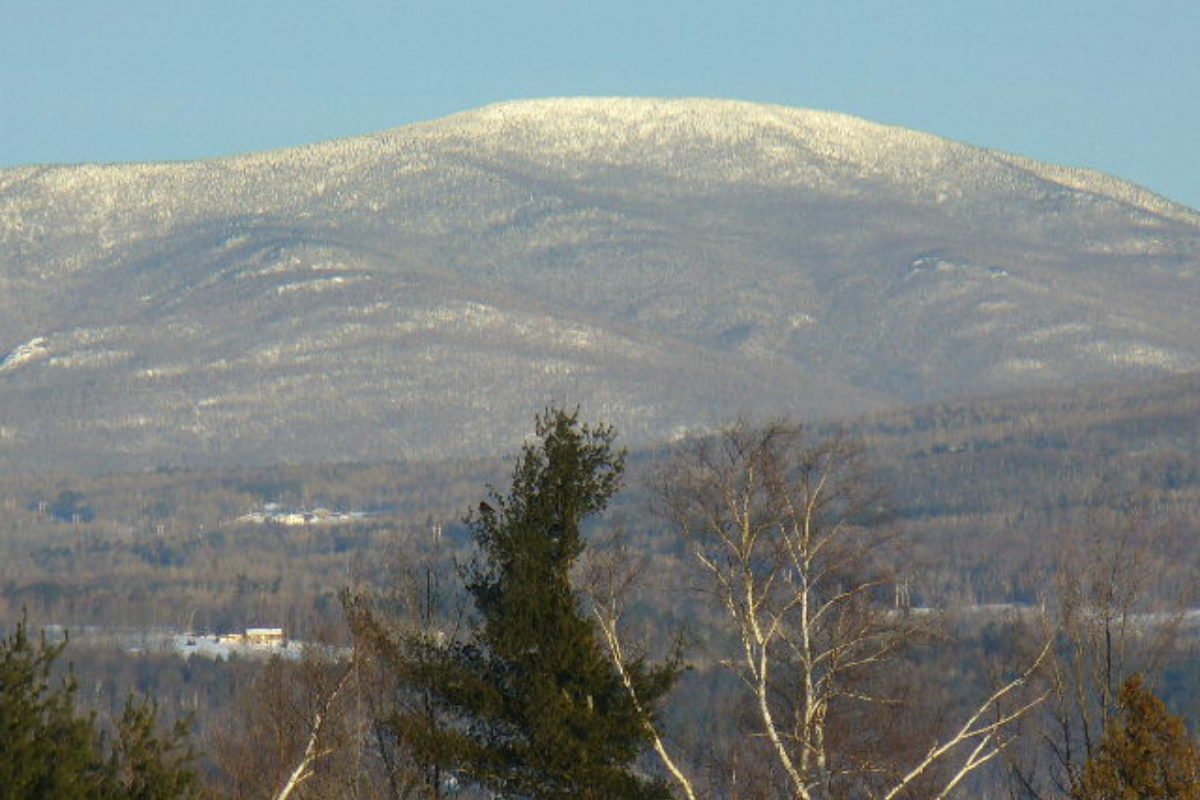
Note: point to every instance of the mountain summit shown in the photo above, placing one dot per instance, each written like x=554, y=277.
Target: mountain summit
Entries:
x=666, y=263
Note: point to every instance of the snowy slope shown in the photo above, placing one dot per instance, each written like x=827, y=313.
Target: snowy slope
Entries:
x=668, y=263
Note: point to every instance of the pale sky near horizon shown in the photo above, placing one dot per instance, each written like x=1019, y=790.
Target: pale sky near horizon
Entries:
x=1108, y=84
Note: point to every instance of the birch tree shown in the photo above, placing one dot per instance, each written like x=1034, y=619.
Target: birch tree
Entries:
x=299, y=732
x=786, y=533
x=610, y=573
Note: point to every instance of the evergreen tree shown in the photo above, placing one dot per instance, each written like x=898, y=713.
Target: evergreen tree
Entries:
x=1146, y=755
x=529, y=704
x=148, y=764
x=50, y=752
x=46, y=751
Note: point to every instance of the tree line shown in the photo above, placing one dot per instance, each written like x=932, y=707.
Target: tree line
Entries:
x=531, y=670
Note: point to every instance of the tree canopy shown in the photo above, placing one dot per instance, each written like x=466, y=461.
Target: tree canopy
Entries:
x=529, y=703
x=49, y=751
x=1146, y=755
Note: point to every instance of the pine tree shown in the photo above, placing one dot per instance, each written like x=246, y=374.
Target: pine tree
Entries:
x=147, y=763
x=529, y=704
x=1146, y=755
x=48, y=751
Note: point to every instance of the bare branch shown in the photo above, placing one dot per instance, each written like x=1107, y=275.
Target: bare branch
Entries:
x=971, y=730
x=304, y=767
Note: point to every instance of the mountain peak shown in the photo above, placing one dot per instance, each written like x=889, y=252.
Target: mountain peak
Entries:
x=765, y=143
x=633, y=129
x=667, y=263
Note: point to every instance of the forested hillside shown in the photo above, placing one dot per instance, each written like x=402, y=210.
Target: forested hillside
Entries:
x=985, y=484
x=675, y=262
x=909, y=507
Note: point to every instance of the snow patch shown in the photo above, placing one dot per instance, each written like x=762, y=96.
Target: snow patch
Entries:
x=557, y=367
x=1134, y=354
x=985, y=328
x=1022, y=365
x=319, y=284
x=36, y=348
x=932, y=263
x=330, y=266
x=125, y=423
x=167, y=371
x=374, y=308
x=84, y=358
x=497, y=325
x=1042, y=335
x=935, y=264
x=469, y=315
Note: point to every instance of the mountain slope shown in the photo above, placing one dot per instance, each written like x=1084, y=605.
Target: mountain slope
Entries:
x=669, y=263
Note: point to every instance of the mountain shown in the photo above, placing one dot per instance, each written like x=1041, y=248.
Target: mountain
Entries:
x=667, y=263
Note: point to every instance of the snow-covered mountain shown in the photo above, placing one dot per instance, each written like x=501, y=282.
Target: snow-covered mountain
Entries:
x=666, y=263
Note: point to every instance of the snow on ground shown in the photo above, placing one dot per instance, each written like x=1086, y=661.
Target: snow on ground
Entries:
x=186, y=645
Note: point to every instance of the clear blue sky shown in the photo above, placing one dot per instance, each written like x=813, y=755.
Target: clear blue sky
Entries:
x=1109, y=84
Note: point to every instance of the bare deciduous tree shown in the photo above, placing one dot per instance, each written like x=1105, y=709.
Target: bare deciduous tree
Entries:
x=391, y=627
x=788, y=535
x=296, y=734
x=609, y=574
x=314, y=748
x=1115, y=609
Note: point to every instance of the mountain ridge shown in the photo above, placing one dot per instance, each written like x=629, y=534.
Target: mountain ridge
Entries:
x=672, y=262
